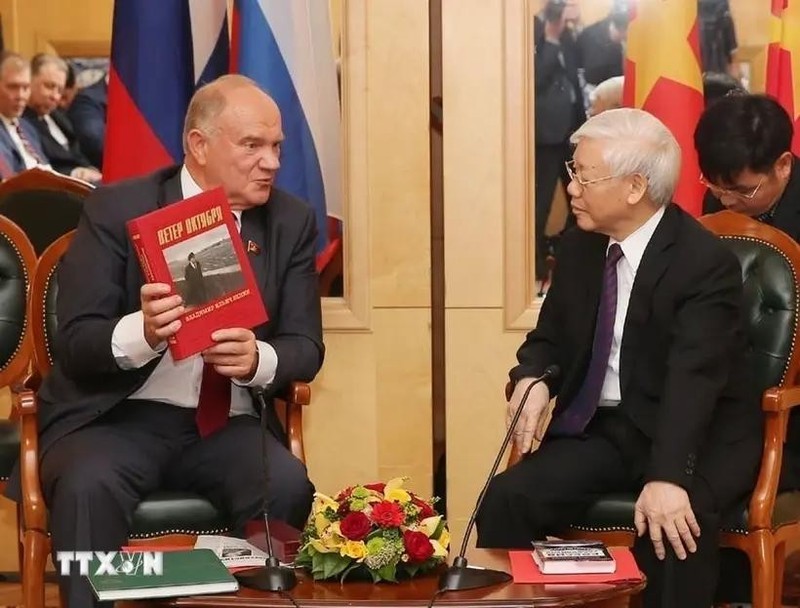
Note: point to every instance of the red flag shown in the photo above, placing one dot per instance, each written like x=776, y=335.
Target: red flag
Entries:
x=663, y=76
x=784, y=46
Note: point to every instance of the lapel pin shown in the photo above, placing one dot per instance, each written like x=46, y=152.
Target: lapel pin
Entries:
x=253, y=248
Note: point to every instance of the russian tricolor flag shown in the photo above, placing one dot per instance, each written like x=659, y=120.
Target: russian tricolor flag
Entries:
x=286, y=46
x=160, y=53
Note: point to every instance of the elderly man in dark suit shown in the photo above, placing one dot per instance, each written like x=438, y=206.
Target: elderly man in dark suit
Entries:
x=56, y=133
x=644, y=320
x=20, y=147
x=118, y=418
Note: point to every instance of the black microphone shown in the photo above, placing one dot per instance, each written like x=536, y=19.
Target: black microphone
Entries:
x=272, y=576
x=460, y=576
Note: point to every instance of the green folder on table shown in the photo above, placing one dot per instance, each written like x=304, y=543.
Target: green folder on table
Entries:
x=190, y=572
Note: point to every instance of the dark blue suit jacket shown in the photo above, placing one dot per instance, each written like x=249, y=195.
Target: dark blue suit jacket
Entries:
x=88, y=115
x=10, y=151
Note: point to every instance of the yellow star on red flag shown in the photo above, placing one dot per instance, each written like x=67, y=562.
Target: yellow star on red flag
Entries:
x=663, y=77
x=784, y=51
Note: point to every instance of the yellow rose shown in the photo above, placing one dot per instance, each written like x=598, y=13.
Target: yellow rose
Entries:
x=354, y=549
x=438, y=550
x=394, y=484
x=397, y=495
x=321, y=523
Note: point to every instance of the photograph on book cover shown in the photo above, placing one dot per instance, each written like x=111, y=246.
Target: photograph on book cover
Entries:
x=204, y=268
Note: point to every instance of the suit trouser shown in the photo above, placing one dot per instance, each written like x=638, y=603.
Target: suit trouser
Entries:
x=93, y=479
x=552, y=488
x=549, y=162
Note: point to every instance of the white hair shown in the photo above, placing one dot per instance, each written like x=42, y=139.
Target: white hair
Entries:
x=636, y=142
x=611, y=89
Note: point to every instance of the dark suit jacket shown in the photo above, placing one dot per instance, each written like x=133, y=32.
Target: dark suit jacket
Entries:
x=195, y=285
x=682, y=376
x=599, y=56
x=787, y=219
x=10, y=151
x=85, y=381
x=62, y=159
x=556, y=80
x=88, y=115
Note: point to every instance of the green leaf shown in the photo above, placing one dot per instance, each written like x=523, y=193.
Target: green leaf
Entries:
x=411, y=569
x=331, y=564
x=388, y=573
x=438, y=531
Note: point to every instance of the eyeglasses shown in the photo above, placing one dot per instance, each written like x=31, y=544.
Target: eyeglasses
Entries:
x=573, y=175
x=719, y=192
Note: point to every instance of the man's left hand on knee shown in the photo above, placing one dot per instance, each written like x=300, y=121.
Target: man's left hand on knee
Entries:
x=664, y=509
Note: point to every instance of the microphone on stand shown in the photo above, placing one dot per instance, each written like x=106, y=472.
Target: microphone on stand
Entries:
x=272, y=576
x=460, y=576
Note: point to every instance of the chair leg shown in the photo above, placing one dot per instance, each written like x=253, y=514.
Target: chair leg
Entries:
x=780, y=562
x=35, y=560
x=761, y=552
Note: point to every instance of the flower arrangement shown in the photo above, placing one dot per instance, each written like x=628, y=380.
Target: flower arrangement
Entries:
x=378, y=530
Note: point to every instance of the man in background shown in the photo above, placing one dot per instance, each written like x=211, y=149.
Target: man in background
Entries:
x=601, y=46
x=607, y=95
x=88, y=115
x=743, y=145
x=559, y=109
x=20, y=146
x=57, y=135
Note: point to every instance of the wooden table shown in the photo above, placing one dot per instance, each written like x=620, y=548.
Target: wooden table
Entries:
x=418, y=592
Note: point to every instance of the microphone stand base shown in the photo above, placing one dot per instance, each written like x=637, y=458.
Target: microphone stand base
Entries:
x=459, y=578
x=272, y=577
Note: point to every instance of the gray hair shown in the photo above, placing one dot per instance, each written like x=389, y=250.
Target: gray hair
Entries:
x=637, y=142
x=40, y=60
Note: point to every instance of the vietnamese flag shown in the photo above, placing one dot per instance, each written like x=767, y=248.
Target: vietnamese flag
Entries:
x=783, y=49
x=663, y=76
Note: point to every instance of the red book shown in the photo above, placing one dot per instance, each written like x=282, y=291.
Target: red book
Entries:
x=194, y=246
x=525, y=570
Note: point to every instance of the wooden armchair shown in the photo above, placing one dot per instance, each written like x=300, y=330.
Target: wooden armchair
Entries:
x=771, y=275
x=170, y=517
x=44, y=204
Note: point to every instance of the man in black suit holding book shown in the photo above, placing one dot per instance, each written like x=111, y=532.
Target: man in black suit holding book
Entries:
x=118, y=418
x=644, y=320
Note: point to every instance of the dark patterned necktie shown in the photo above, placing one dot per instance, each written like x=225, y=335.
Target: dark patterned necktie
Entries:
x=578, y=413
x=26, y=143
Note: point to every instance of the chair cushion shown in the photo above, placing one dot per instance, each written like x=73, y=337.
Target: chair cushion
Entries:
x=164, y=513
x=614, y=513
x=9, y=447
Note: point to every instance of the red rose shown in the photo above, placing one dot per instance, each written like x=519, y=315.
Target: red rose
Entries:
x=376, y=487
x=425, y=510
x=387, y=514
x=417, y=545
x=355, y=526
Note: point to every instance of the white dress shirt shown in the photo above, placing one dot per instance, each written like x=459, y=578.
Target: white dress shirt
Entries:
x=27, y=158
x=632, y=249
x=178, y=382
x=56, y=131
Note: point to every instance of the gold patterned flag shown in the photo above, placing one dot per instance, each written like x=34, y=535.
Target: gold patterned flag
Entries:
x=784, y=48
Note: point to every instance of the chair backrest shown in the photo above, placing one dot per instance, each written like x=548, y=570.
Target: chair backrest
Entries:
x=770, y=263
x=17, y=263
x=44, y=291
x=44, y=204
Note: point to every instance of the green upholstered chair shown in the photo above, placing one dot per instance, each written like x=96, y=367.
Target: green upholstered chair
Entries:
x=167, y=517
x=771, y=274
x=17, y=263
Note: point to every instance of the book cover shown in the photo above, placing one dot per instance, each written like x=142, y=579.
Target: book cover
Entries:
x=194, y=246
x=192, y=572
x=524, y=570
x=234, y=553
x=572, y=557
